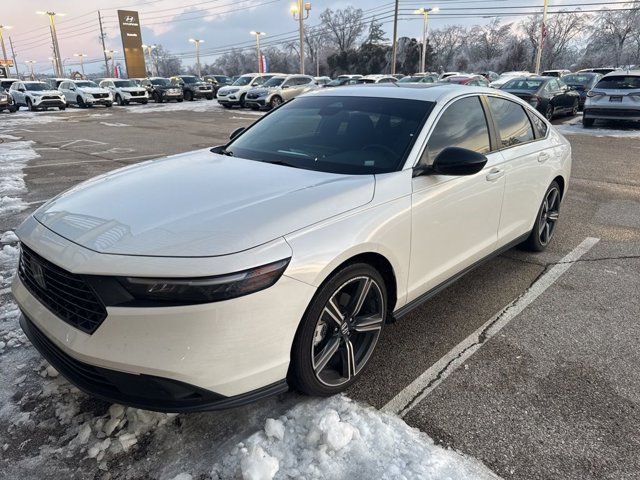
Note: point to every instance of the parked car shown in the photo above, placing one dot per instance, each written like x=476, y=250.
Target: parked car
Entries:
x=616, y=96
x=322, y=81
x=600, y=70
x=419, y=79
x=236, y=94
x=377, y=79
x=36, y=96
x=549, y=95
x=490, y=76
x=582, y=83
x=5, y=83
x=125, y=91
x=472, y=80
x=506, y=76
x=214, y=278
x=85, y=93
x=555, y=73
x=279, y=89
x=217, y=81
x=54, y=83
x=193, y=87
x=448, y=74
x=162, y=90
x=7, y=102
x=343, y=80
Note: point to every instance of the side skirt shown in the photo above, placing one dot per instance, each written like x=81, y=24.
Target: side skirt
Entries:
x=405, y=310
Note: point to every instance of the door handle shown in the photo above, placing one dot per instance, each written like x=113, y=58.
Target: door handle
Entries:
x=543, y=157
x=494, y=174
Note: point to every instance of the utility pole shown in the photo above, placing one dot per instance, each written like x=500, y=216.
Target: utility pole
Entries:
x=197, y=41
x=31, y=63
x=4, y=50
x=54, y=40
x=258, y=35
x=302, y=11
x=13, y=54
x=543, y=34
x=81, y=56
x=424, y=11
x=394, y=45
x=104, y=47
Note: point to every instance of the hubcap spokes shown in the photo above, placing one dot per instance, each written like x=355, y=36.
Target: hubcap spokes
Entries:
x=354, y=315
x=549, y=216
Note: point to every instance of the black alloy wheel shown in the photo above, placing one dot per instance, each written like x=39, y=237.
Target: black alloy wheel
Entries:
x=546, y=221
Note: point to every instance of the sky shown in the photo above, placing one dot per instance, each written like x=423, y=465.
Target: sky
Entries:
x=222, y=24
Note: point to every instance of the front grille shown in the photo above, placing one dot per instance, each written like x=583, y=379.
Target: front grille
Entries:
x=614, y=112
x=65, y=294
x=137, y=94
x=50, y=97
x=100, y=95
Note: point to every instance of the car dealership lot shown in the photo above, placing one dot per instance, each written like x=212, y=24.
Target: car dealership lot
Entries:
x=554, y=394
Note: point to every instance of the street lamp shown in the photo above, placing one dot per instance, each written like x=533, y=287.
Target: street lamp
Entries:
x=31, y=63
x=81, y=56
x=197, y=42
x=258, y=35
x=112, y=55
x=147, y=49
x=54, y=39
x=300, y=12
x=424, y=11
x=4, y=50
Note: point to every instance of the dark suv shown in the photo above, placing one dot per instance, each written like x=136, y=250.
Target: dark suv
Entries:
x=193, y=87
x=217, y=81
x=162, y=89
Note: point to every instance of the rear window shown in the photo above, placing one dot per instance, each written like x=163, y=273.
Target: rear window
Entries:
x=523, y=84
x=620, y=82
x=577, y=79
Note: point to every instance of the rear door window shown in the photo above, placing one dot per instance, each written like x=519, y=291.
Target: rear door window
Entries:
x=620, y=82
x=514, y=126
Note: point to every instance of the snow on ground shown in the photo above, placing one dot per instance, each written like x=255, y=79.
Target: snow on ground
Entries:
x=22, y=118
x=599, y=131
x=339, y=438
x=194, y=106
x=14, y=155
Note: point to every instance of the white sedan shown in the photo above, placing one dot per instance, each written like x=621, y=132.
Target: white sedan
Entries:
x=212, y=278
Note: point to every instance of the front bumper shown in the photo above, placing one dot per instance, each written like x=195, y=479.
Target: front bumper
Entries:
x=41, y=102
x=136, y=99
x=202, y=93
x=260, y=102
x=98, y=101
x=140, y=391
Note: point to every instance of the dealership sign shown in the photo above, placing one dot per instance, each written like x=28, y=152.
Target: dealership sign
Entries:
x=132, y=43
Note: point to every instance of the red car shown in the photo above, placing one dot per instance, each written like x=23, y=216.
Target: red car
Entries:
x=473, y=80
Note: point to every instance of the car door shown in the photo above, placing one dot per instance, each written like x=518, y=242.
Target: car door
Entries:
x=528, y=166
x=455, y=219
x=65, y=89
x=289, y=88
x=18, y=93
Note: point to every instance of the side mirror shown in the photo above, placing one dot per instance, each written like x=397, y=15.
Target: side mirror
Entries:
x=236, y=132
x=454, y=161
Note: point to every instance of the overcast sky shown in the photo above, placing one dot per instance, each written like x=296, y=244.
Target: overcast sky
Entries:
x=221, y=23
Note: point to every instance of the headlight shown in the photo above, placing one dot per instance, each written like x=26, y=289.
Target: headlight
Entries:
x=186, y=291
x=4, y=98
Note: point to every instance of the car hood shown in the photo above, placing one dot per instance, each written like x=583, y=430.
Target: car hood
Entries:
x=93, y=90
x=133, y=89
x=44, y=92
x=199, y=204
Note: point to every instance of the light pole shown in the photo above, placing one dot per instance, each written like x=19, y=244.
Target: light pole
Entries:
x=424, y=11
x=112, y=56
x=4, y=50
x=147, y=49
x=197, y=43
x=258, y=35
x=81, y=57
x=300, y=12
x=54, y=39
x=543, y=34
x=31, y=63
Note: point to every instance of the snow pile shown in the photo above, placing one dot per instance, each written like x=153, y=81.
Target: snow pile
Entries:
x=31, y=118
x=578, y=129
x=195, y=106
x=339, y=438
x=13, y=158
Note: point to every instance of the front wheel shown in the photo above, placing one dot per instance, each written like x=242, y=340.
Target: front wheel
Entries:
x=548, y=113
x=188, y=96
x=546, y=221
x=275, y=102
x=30, y=106
x=339, y=331
x=62, y=108
x=575, y=108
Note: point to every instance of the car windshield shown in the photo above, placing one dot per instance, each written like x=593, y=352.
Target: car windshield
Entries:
x=124, y=83
x=85, y=84
x=577, y=79
x=191, y=79
x=409, y=79
x=6, y=84
x=523, y=84
x=164, y=82
x=36, y=86
x=351, y=135
x=242, y=81
x=273, y=82
x=620, y=82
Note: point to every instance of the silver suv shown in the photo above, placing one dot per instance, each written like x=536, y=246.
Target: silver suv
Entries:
x=278, y=90
x=615, y=97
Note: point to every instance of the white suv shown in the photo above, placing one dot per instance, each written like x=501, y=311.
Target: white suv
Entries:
x=36, y=96
x=235, y=93
x=85, y=93
x=615, y=97
x=125, y=91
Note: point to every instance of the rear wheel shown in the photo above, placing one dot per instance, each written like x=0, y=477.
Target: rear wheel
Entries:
x=157, y=97
x=188, y=96
x=548, y=113
x=546, y=221
x=62, y=108
x=242, y=98
x=576, y=107
x=587, y=122
x=339, y=331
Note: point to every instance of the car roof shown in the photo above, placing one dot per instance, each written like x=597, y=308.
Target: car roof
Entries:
x=617, y=73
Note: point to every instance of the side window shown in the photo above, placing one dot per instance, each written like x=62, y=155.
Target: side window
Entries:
x=553, y=85
x=512, y=122
x=539, y=127
x=463, y=124
x=258, y=81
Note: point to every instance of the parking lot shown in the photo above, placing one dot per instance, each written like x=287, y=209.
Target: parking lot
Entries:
x=528, y=364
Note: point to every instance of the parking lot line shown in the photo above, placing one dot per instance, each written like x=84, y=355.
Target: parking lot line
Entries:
x=422, y=386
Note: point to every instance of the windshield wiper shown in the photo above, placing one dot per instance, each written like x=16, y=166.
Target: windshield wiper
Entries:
x=281, y=162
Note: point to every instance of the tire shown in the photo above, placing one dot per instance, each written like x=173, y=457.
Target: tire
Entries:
x=255, y=107
x=62, y=108
x=275, y=102
x=227, y=106
x=209, y=97
x=241, y=103
x=13, y=109
x=574, y=110
x=331, y=341
x=157, y=98
x=144, y=102
x=548, y=112
x=180, y=100
x=587, y=122
x=80, y=102
x=188, y=96
x=30, y=106
x=546, y=220
x=120, y=100
x=108, y=104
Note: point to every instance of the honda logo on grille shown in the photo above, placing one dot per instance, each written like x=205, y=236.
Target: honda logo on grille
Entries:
x=38, y=274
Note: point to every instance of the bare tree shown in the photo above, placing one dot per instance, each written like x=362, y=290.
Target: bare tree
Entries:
x=617, y=26
x=446, y=44
x=344, y=27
